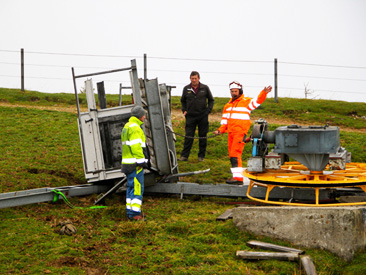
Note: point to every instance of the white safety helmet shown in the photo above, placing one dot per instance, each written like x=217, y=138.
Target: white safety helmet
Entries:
x=236, y=85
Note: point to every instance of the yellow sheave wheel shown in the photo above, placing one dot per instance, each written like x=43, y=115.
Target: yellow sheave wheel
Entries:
x=296, y=175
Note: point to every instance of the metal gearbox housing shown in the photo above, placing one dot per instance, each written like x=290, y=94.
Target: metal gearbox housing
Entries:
x=313, y=146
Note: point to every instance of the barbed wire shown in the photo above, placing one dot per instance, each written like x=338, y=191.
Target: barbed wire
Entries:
x=191, y=59
x=75, y=54
x=206, y=137
x=181, y=83
x=321, y=65
x=182, y=71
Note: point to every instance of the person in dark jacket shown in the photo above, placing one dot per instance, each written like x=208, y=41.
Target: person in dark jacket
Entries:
x=197, y=102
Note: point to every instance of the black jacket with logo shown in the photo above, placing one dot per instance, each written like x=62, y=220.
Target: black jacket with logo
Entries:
x=197, y=104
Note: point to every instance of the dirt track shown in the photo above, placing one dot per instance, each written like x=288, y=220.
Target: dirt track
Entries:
x=52, y=108
x=177, y=114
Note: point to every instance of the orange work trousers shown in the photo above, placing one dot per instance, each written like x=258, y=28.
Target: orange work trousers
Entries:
x=236, y=142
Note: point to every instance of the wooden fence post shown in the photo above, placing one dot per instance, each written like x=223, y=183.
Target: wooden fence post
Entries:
x=275, y=81
x=120, y=94
x=145, y=67
x=22, y=69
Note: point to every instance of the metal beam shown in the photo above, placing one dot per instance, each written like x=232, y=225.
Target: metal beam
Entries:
x=25, y=197
x=227, y=190
x=105, y=72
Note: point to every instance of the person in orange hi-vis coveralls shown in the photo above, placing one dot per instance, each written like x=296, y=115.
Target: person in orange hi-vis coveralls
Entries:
x=236, y=121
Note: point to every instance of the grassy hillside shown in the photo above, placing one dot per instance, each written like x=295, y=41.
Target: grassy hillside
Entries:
x=39, y=147
x=306, y=111
x=336, y=113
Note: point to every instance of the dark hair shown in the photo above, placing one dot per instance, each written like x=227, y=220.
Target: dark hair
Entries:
x=195, y=73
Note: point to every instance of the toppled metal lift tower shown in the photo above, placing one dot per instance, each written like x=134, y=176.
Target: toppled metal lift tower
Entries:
x=100, y=129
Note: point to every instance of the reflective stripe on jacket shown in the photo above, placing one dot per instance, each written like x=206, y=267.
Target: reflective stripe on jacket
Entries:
x=236, y=114
x=133, y=144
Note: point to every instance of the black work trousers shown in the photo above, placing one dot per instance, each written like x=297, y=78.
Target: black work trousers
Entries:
x=191, y=123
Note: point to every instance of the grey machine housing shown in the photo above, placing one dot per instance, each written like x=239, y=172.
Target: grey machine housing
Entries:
x=313, y=146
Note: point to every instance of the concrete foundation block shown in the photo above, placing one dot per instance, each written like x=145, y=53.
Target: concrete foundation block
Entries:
x=340, y=230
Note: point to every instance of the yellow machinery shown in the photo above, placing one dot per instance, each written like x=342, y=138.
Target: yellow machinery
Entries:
x=321, y=162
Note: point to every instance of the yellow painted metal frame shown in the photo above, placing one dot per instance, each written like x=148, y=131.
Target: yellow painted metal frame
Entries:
x=296, y=173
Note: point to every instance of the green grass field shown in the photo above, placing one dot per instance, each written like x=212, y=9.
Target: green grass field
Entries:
x=40, y=147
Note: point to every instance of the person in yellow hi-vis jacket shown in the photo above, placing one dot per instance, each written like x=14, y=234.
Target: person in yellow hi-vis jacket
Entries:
x=134, y=160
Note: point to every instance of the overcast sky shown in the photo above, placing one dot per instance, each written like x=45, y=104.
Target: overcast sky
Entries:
x=319, y=44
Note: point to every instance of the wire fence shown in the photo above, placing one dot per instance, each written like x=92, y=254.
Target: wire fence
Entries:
x=51, y=72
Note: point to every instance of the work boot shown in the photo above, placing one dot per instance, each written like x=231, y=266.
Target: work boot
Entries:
x=201, y=159
x=183, y=159
x=138, y=218
x=234, y=181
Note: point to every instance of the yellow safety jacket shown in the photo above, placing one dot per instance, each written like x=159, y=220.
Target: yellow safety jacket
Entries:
x=134, y=151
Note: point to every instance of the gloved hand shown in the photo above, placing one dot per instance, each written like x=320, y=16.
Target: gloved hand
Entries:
x=144, y=165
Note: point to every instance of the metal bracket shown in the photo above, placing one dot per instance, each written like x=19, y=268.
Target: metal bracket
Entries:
x=111, y=191
x=187, y=174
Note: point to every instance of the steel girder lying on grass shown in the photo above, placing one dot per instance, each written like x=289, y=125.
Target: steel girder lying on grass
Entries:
x=25, y=197
x=232, y=191
x=31, y=196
